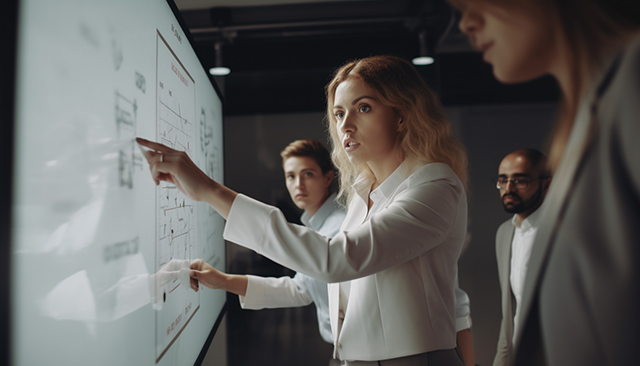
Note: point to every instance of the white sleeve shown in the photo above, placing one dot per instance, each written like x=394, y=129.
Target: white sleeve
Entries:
x=463, y=308
x=419, y=219
x=270, y=292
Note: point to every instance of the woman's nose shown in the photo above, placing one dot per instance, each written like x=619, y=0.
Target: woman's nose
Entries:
x=346, y=124
x=469, y=21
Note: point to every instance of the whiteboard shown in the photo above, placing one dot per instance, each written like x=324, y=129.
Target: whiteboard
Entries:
x=100, y=254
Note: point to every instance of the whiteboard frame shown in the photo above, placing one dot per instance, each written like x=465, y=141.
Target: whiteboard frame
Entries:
x=8, y=38
x=185, y=29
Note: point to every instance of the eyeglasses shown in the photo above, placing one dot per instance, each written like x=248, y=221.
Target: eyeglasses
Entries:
x=519, y=183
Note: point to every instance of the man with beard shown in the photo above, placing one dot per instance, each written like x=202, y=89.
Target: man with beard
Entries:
x=523, y=181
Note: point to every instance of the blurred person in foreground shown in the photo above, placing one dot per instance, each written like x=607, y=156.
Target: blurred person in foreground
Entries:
x=582, y=289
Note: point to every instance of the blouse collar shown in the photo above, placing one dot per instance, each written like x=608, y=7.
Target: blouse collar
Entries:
x=362, y=185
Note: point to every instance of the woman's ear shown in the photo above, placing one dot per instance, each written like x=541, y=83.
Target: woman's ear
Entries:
x=401, y=124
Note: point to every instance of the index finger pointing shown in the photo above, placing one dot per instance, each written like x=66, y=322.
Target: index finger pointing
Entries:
x=147, y=152
x=156, y=147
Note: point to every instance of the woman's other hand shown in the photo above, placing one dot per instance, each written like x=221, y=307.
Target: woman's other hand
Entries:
x=203, y=272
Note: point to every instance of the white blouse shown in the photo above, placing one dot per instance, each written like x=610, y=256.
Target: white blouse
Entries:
x=398, y=261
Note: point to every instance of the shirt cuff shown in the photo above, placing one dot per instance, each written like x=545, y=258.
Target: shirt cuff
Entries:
x=255, y=294
x=463, y=323
x=245, y=221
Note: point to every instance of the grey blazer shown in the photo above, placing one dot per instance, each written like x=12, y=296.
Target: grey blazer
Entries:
x=504, y=237
x=581, y=301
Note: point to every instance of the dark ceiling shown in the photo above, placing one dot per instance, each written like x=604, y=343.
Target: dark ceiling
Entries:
x=282, y=56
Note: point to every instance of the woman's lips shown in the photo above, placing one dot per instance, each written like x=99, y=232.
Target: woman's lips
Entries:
x=484, y=48
x=351, y=145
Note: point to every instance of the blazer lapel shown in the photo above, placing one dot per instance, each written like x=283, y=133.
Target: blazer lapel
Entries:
x=504, y=256
x=508, y=299
x=581, y=139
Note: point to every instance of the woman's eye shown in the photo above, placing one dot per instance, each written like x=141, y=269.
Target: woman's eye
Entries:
x=339, y=115
x=364, y=108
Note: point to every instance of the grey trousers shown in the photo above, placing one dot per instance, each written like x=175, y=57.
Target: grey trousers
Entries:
x=448, y=357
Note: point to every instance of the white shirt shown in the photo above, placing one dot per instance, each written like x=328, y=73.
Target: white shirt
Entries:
x=301, y=290
x=401, y=261
x=463, y=308
x=521, y=245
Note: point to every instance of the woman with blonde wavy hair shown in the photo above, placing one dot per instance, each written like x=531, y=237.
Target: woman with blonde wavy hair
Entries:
x=392, y=267
x=582, y=290
x=426, y=135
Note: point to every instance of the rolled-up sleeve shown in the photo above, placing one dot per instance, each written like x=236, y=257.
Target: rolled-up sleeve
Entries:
x=270, y=292
x=463, y=308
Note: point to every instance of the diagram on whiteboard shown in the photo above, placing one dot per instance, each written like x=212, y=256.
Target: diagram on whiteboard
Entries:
x=176, y=216
x=209, y=158
x=128, y=156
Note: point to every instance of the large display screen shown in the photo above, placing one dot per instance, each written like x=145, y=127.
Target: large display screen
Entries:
x=100, y=254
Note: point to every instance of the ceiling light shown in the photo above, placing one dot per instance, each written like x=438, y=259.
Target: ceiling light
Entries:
x=426, y=54
x=219, y=69
x=422, y=60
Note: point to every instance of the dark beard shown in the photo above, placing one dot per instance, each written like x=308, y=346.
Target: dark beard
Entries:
x=523, y=206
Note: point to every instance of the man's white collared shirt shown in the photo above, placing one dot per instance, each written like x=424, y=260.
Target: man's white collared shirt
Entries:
x=521, y=246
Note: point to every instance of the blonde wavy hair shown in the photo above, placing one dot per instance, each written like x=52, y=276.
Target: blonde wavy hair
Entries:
x=427, y=137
